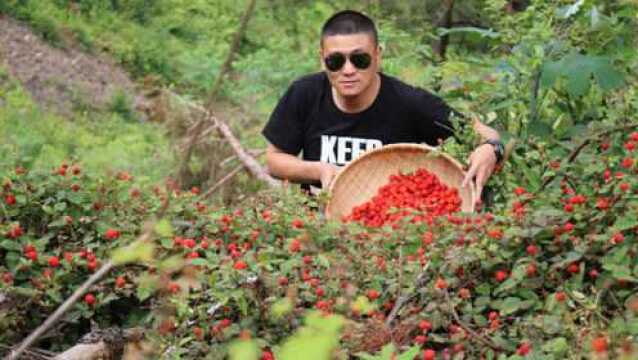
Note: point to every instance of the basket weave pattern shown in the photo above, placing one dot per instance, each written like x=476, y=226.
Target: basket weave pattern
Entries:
x=360, y=180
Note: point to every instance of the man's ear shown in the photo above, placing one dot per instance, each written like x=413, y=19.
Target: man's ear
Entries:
x=320, y=53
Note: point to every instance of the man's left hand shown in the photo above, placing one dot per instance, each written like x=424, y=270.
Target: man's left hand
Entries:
x=482, y=164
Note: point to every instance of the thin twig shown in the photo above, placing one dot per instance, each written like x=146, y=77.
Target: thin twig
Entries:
x=572, y=156
x=222, y=181
x=420, y=281
x=474, y=334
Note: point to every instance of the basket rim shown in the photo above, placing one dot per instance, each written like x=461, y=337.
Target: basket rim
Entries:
x=394, y=147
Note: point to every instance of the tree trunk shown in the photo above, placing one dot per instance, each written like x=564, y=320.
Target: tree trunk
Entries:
x=444, y=21
x=234, y=47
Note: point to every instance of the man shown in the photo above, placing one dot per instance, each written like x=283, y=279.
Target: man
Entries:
x=351, y=107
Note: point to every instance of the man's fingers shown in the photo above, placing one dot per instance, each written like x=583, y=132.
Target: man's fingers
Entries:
x=469, y=175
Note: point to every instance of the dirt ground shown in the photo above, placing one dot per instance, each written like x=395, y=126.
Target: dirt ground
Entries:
x=60, y=79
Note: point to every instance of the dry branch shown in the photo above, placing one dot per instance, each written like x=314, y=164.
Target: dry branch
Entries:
x=222, y=181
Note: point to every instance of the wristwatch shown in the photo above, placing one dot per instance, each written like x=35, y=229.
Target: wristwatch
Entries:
x=499, y=149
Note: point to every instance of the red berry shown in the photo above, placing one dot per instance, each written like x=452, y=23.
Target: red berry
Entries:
x=425, y=325
x=523, y=349
x=89, y=299
x=440, y=284
x=297, y=223
x=429, y=354
x=295, y=245
x=111, y=234
x=32, y=255
x=573, y=268
x=373, y=294
x=54, y=261
x=198, y=333
x=501, y=275
x=420, y=339
x=531, y=269
x=319, y=292
x=240, y=265
x=599, y=344
x=282, y=281
x=120, y=282
x=532, y=250
x=10, y=199
x=560, y=296
x=224, y=323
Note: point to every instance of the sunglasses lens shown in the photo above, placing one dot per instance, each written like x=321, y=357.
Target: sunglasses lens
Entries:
x=335, y=61
x=361, y=60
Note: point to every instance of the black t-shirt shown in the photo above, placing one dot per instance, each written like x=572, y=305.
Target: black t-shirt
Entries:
x=307, y=120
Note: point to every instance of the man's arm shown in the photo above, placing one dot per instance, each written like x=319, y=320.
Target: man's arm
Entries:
x=286, y=166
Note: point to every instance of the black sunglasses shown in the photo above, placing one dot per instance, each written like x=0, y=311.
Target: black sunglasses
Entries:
x=335, y=61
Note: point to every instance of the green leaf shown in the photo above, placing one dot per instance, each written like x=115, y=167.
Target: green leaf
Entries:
x=244, y=350
x=10, y=245
x=552, y=324
x=164, y=229
x=410, y=354
x=140, y=250
x=540, y=129
x=626, y=222
x=557, y=346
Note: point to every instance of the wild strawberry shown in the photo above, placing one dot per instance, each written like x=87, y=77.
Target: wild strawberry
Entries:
x=7, y=278
x=573, y=268
x=224, y=323
x=373, y=294
x=282, y=281
x=560, y=296
x=493, y=315
x=624, y=186
x=204, y=244
x=54, y=261
x=519, y=191
x=464, y=293
x=240, y=265
x=440, y=284
x=501, y=275
x=429, y=354
x=531, y=270
x=618, y=238
x=420, y=339
x=267, y=355
x=32, y=255
x=523, y=349
x=111, y=234
x=294, y=246
x=568, y=227
x=10, y=199
x=532, y=250
x=627, y=162
x=198, y=333
x=89, y=299
x=195, y=190
x=297, y=223
x=120, y=282
x=91, y=265
x=319, y=292
x=189, y=243
x=425, y=325
x=75, y=187
x=307, y=259
x=174, y=287
x=599, y=344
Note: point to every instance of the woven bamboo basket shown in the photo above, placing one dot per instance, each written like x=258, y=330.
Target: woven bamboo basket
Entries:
x=360, y=180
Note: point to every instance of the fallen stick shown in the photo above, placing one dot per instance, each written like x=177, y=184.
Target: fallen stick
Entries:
x=222, y=181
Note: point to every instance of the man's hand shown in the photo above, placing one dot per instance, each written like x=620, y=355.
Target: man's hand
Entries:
x=327, y=172
x=482, y=163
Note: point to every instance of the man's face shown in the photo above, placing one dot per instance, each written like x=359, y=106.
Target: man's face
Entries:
x=350, y=81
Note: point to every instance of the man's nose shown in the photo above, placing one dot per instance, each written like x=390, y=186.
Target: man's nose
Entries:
x=348, y=68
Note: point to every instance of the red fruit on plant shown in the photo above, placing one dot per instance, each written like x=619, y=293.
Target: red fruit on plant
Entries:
x=307, y=259
x=531, y=269
x=189, y=243
x=493, y=315
x=464, y=293
x=297, y=223
x=7, y=278
x=573, y=268
x=89, y=299
x=75, y=187
x=15, y=231
x=62, y=171
x=599, y=344
x=10, y=199
x=532, y=250
x=496, y=234
x=282, y=281
x=240, y=265
x=198, y=333
x=618, y=238
x=593, y=273
x=633, y=136
x=111, y=234
x=174, y=287
x=267, y=355
x=319, y=292
x=224, y=323
x=624, y=186
x=429, y=354
x=560, y=296
x=440, y=284
x=195, y=190
x=32, y=255
x=294, y=246
x=523, y=349
x=519, y=191
x=91, y=265
x=420, y=339
x=627, y=163
x=373, y=294
x=120, y=282
x=54, y=261
x=425, y=325
x=568, y=227
x=501, y=275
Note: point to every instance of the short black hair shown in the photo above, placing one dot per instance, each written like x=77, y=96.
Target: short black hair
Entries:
x=348, y=22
